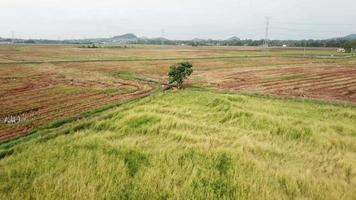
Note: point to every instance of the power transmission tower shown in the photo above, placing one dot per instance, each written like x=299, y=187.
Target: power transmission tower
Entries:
x=162, y=37
x=13, y=37
x=267, y=32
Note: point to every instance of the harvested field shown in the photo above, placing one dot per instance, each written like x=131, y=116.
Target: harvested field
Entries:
x=328, y=83
x=32, y=96
x=197, y=142
x=37, y=93
x=48, y=53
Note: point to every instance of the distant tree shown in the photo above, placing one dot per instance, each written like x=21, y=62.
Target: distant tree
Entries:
x=178, y=72
x=349, y=46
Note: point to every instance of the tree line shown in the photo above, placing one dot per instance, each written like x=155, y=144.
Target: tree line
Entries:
x=335, y=43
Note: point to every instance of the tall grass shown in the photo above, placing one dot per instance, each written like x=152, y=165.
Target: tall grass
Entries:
x=192, y=144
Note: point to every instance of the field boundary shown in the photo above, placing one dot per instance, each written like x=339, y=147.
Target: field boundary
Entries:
x=168, y=59
x=9, y=143
x=131, y=60
x=344, y=104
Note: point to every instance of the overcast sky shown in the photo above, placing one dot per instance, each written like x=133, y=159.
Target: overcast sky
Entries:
x=180, y=19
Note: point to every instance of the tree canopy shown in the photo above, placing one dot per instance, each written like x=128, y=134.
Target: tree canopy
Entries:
x=178, y=72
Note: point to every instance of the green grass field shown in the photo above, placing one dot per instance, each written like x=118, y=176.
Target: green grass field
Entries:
x=190, y=144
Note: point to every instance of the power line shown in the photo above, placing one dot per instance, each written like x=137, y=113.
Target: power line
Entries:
x=312, y=24
x=306, y=35
x=302, y=29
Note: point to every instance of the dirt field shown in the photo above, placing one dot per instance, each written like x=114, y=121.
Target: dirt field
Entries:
x=18, y=53
x=319, y=82
x=34, y=94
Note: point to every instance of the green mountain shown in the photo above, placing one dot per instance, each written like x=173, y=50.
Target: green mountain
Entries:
x=128, y=36
x=350, y=37
x=233, y=38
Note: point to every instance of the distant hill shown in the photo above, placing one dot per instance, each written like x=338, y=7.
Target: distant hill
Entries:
x=198, y=40
x=350, y=37
x=347, y=37
x=233, y=38
x=159, y=38
x=129, y=37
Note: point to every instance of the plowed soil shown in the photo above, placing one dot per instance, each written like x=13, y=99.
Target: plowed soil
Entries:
x=30, y=97
x=327, y=83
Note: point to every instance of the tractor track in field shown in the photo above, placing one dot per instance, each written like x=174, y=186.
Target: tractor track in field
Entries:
x=326, y=83
x=32, y=103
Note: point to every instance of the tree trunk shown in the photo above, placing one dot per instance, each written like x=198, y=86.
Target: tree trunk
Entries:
x=167, y=87
x=180, y=84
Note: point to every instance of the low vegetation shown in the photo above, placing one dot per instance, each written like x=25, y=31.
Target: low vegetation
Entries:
x=90, y=46
x=191, y=144
x=349, y=46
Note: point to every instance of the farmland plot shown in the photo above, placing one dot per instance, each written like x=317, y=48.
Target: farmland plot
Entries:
x=35, y=95
x=319, y=82
x=63, y=81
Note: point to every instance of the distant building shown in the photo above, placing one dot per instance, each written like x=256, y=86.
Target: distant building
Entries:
x=5, y=42
x=284, y=45
x=341, y=50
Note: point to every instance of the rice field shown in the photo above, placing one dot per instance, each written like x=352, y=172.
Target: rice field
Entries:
x=80, y=123
x=35, y=95
x=190, y=144
x=42, y=84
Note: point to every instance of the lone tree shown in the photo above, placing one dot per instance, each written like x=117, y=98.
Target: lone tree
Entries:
x=178, y=72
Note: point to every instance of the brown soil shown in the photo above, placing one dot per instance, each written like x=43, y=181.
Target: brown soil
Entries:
x=327, y=83
x=39, y=98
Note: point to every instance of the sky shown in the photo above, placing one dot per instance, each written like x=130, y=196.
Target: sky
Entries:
x=177, y=19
